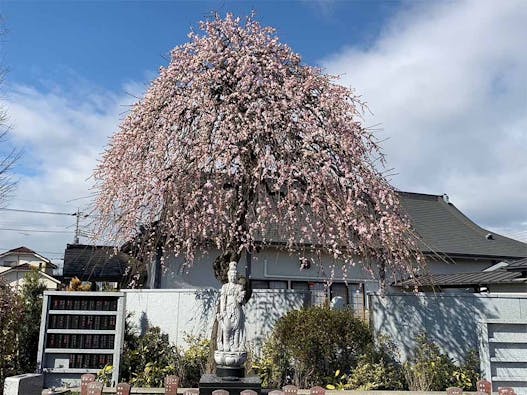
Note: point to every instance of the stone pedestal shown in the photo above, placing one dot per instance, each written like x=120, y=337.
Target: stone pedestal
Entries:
x=24, y=384
x=230, y=372
x=212, y=382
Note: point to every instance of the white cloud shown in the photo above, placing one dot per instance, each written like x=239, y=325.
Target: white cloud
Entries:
x=447, y=83
x=62, y=134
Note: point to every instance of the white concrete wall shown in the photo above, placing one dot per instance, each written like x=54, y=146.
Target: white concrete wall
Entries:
x=449, y=319
x=190, y=311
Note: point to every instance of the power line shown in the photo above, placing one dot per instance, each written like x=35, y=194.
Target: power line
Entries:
x=36, y=230
x=73, y=214
x=37, y=211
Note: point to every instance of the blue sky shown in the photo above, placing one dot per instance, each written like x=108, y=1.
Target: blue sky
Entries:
x=445, y=83
x=112, y=43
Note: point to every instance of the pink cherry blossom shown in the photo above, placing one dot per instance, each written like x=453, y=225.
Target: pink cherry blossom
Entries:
x=237, y=137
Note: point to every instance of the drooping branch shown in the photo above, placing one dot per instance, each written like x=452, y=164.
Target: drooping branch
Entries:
x=237, y=137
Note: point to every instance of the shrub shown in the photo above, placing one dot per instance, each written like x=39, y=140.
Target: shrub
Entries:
x=272, y=366
x=11, y=310
x=19, y=326
x=378, y=369
x=193, y=360
x=339, y=382
x=105, y=375
x=431, y=370
x=309, y=345
x=147, y=359
x=31, y=295
x=468, y=374
x=76, y=285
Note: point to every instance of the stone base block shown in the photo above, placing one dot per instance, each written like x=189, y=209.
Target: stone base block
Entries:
x=24, y=384
x=232, y=372
x=212, y=382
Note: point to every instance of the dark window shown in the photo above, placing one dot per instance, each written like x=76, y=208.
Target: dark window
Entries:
x=339, y=289
x=318, y=293
x=357, y=299
x=300, y=285
x=268, y=284
x=277, y=284
x=259, y=284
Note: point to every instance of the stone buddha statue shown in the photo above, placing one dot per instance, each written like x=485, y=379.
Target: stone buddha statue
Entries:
x=231, y=322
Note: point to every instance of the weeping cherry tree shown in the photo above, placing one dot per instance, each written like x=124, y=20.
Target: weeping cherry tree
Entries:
x=236, y=136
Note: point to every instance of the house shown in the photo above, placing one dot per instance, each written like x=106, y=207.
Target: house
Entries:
x=24, y=255
x=14, y=276
x=504, y=277
x=451, y=242
x=15, y=264
x=97, y=264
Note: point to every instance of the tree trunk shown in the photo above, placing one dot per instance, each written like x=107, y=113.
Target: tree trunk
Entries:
x=221, y=264
x=382, y=278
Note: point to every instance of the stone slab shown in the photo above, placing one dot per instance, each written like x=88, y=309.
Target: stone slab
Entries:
x=24, y=384
x=211, y=382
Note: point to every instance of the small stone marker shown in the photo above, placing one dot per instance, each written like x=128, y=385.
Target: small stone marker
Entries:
x=276, y=392
x=317, y=391
x=123, y=389
x=95, y=388
x=506, y=391
x=290, y=390
x=191, y=391
x=220, y=392
x=454, y=391
x=24, y=384
x=85, y=380
x=484, y=386
x=248, y=392
x=337, y=303
x=171, y=385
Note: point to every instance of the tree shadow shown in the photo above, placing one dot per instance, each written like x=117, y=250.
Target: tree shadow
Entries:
x=208, y=299
x=450, y=320
x=144, y=324
x=266, y=307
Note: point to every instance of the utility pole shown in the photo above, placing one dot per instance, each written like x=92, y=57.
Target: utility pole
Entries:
x=76, y=237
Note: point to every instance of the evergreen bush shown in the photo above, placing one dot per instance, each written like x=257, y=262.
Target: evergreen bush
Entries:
x=309, y=345
x=432, y=370
x=20, y=314
x=148, y=358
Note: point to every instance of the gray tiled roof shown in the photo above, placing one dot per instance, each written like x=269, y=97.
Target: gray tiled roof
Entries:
x=446, y=230
x=94, y=263
x=465, y=279
x=520, y=265
x=443, y=229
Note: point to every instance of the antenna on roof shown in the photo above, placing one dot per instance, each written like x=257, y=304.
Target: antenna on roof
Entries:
x=445, y=198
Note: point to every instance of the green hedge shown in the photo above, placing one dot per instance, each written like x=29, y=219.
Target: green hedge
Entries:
x=309, y=345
